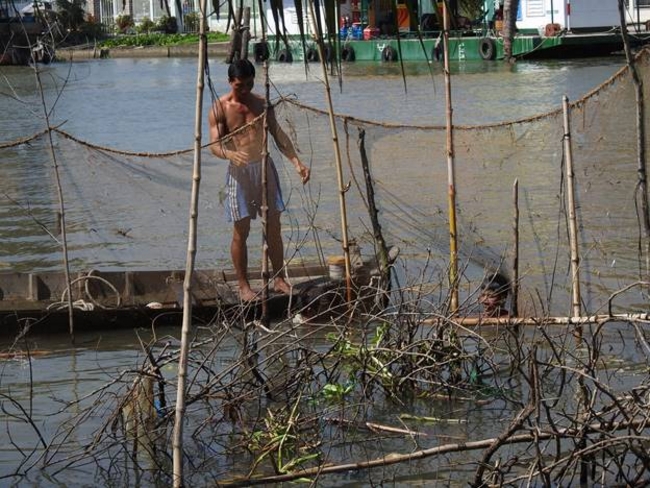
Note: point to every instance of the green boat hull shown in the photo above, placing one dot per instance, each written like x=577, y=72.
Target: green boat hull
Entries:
x=460, y=48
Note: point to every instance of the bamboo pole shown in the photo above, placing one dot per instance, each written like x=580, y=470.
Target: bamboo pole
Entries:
x=337, y=155
x=573, y=225
x=61, y=213
x=265, y=198
x=536, y=321
x=514, y=304
x=451, y=179
x=380, y=242
x=642, y=186
x=177, y=475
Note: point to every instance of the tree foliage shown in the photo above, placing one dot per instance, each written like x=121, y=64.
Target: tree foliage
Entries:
x=71, y=14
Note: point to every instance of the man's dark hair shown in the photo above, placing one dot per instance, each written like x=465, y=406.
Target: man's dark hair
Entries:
x=242, y=68
x=496, y=283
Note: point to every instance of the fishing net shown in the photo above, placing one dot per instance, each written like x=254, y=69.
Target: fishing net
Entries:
x=126, y=209
x=410, y=174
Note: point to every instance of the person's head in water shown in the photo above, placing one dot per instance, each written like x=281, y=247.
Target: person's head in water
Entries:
x=494, y=293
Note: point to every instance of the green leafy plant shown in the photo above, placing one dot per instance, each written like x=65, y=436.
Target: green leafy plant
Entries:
x=191, y=22
x=123, y=23
x=471, y=8
x=159, y=39
x=145, y=26
x=167, y=25
x=281, y=442
x=336, y=393
x=71, y=13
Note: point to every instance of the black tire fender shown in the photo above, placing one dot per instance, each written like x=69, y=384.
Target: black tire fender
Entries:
x=284, y=56
x=487, y=49
x=347, y=54
x=389, y=54
x=312, y=55
x=261, y=52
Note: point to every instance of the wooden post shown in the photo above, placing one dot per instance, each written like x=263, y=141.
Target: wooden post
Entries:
x=642, y=187
x=514, y=304
x=177, y=444
x=571, y=204
x=235, y=39
x=337, y=155
x=265, y=186
x=451, y=180
x=245, y=33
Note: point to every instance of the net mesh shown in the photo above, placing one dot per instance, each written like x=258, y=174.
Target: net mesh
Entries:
x=130, y=210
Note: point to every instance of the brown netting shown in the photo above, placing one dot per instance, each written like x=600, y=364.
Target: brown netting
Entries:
x=130, y=210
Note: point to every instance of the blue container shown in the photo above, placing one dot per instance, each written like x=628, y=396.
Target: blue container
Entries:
x=343, y=32
x=357, y=32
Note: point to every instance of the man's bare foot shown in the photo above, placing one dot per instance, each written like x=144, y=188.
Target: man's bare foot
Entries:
x=247, y=295
x=281, y=286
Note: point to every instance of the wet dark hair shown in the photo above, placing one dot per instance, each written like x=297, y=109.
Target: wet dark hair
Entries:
x=242, y=68
x=496, y=283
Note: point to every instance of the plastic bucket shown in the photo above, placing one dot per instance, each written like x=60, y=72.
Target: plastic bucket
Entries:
x=336, y=266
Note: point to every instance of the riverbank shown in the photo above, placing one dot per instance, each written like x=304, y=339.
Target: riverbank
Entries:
x=215, y=49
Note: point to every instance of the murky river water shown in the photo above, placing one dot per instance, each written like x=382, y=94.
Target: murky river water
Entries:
x=148, y=105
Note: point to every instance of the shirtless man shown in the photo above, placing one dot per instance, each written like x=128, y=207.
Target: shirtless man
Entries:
x=244, y=150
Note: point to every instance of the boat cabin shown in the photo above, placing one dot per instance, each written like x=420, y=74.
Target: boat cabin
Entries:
x=533, y=16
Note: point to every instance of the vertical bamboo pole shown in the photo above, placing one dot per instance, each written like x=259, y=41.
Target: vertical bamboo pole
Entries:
x=573, y=226
x=451, y=179
x=514, y=305
x=61, y=213
x=337, y=155
x=265, y=198
x=177, y=443
x=642, y=186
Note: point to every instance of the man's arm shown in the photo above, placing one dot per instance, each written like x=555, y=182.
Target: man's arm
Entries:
x=216, y=120
x=218, y=130
x=286, y=146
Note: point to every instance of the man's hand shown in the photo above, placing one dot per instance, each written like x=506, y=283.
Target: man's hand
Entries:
x=304, y=172
x=238, y=158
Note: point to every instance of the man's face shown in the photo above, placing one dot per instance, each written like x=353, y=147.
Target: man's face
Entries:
x=491, y=299
x=242, y=86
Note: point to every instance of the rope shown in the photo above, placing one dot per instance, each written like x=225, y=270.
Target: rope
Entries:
x=77, y=304
x=640, y=56
x=122, y=152
x=81, y=304
x=23, y=140
x=534, y=118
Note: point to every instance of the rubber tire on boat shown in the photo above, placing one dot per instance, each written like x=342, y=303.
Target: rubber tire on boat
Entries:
x=389, y=54
x=487, y=49
x=436, y=53
x=327, y=53
x=284, y=56
x=347, y=54
x=261, y=52
x=312, y=55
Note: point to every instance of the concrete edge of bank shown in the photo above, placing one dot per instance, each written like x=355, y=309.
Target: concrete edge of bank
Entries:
x=217, y=49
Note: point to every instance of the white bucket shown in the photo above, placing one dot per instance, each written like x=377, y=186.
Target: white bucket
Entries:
x=336, y=267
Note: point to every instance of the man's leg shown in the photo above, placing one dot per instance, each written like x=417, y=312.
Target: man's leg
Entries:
x=276, y=252
x=239, y=254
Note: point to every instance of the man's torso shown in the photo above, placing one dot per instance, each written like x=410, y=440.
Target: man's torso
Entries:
x=237, y=115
